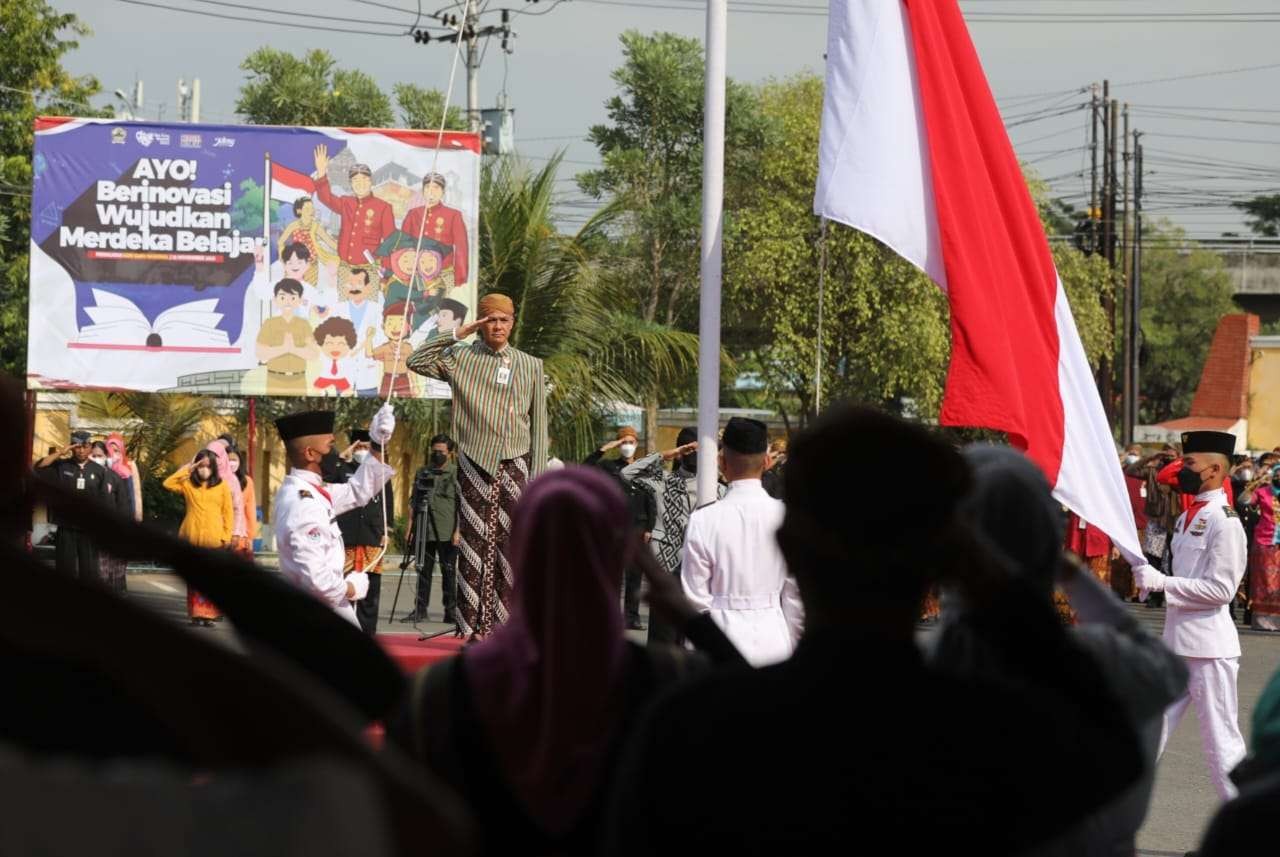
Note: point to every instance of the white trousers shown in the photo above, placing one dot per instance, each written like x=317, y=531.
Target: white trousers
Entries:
x=1211, y=688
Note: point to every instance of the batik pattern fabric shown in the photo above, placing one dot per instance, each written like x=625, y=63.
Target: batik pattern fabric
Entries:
x=1264, y=586
x=199, y=607
x=484, y=574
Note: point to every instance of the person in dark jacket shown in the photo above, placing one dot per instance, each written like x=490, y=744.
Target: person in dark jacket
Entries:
x=75, y=554
x=434, y=530
x=642, y=506
x=365, y=530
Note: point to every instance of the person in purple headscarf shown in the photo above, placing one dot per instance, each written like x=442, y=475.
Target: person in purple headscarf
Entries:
x=527, y=724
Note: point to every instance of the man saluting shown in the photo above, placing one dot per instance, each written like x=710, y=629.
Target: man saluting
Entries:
x=500, y=425
x=307, y=535
x=1209, y=554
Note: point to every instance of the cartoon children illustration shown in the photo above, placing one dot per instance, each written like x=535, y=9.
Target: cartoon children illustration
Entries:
x=395, y=352
x=362, y=307
x=285, y=342
x=337, y=340
x=430, y=282
x=443, y=224
x=310, y=233
x=366, y=220
x=450, y=315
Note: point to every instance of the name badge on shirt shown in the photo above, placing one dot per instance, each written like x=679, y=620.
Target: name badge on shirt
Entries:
x=79, y=483
x=1142, y=491
x=504, y=375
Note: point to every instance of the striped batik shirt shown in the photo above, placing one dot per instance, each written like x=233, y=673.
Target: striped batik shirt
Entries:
x=492, y=421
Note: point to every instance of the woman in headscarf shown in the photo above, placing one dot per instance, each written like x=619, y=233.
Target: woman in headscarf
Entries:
x=124, y=467
x=250, y=503
x=1014, y=514
x=208, y=521
x=528, y=723
x=220, y=448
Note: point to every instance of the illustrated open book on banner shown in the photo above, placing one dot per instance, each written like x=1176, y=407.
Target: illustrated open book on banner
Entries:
x=119, y=323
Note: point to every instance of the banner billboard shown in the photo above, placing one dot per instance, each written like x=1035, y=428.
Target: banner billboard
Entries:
x=246, y=260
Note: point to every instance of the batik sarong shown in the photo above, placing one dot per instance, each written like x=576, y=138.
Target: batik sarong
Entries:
x=484, y=575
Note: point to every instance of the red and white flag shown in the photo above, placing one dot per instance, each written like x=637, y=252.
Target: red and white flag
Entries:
x=289, y=185
x=913, y=152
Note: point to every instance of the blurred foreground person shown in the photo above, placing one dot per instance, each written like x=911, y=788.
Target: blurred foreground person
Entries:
x=855, y=739
x=528, y=724
x=1011, y=506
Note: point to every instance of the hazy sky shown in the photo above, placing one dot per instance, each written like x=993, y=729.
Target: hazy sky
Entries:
x=558, y=77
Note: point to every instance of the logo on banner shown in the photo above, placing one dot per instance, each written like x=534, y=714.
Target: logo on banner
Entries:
x=190, y=141
x=224, y=142
x=146, y=138
x=118, y=136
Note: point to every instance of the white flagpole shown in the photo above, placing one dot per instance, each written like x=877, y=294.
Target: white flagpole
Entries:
x=712, y=211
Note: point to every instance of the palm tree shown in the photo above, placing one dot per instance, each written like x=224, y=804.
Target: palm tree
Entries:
x=567, y=313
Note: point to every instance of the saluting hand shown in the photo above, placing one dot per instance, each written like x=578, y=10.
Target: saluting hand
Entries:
x=322, y=160
x=680, y=451
x=467, y=329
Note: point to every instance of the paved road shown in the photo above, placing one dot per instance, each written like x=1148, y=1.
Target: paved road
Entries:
x=1184, y=799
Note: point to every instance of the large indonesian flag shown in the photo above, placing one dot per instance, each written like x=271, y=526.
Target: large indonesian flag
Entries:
x=914, y=152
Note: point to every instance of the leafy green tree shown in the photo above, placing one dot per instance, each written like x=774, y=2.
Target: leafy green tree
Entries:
x=884, y=336
x=422, y=108
x=32, y=82
x=1265, y=211
x=594, y=352
x=1185, y=291
x=651, y=177
x=284, y=89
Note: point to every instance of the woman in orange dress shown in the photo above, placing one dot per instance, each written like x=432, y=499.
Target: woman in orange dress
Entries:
x=243, y=545
x=209, y=520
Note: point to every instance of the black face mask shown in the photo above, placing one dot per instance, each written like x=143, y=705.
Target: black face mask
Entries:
x=329, y=465
x=1189, y=481
x=689, y=463
x=438, y=458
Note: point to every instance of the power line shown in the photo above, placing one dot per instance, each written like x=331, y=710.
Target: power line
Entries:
x=259, y=21
x=1200, y=74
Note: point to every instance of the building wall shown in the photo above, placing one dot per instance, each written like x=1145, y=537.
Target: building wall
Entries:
x=1264, y=393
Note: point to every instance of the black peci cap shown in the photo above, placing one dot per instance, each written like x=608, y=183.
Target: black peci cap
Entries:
x=1221, y=442
x=305, y=424
x=746, y=436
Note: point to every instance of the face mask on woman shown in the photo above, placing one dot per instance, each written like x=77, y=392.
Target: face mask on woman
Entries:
x=99, y=459
x=360, y=455
x=204, y=472
x=234, y=464
x=627, y=450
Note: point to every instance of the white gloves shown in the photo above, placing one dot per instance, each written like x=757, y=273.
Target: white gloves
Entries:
x=383, y=424
x=1148, y=579
x=359, y=580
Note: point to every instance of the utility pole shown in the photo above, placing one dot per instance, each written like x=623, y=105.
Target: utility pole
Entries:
x=1135, y=281
x=473, y=70
x=1126, y=268
x=468, y=29
x=1093, y=158
x=1106, y=366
